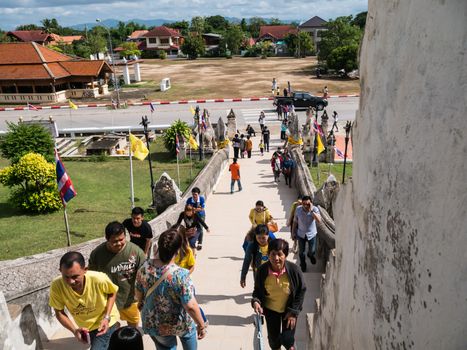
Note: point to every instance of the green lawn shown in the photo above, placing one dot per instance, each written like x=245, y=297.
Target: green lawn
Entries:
x=103, y=196
x=326, y=169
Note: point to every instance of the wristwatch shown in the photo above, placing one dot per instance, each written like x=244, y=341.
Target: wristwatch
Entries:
x=107, y=317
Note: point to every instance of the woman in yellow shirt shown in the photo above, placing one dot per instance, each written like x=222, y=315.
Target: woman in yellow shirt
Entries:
x=278, y=294
x=259, y=214
x=185, y=257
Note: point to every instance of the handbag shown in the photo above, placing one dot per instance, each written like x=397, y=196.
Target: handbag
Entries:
x=272, y=226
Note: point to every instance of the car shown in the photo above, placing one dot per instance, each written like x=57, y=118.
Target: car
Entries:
x=302, y=100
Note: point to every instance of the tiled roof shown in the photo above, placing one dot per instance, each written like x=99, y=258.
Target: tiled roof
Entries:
x=30, y=35
x=162, y=31
x=85, y=68
x=137, y=34
x=314, y=22
x=28, y=53
x=277, y=32
x=19, y=61
x=66, y=39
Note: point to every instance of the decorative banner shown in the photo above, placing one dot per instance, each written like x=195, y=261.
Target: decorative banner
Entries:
x=293, y=141
x=138, y=148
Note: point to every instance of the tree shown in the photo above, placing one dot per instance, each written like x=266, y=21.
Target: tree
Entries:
x=233, y=37
x=181, y=26
x=197, y=24
x=34, y=185
x=24, y=138
x=50, y=25
x=299, y=45
x=217, y=23
x=360, y=20
x=96, y=43
x=130, y=49
x=28, y=27
x=341, y=32
x=275, y=22
x=193, y=46
x=179, y=128
x=343, y=57
x=243, y=25
x=255, y=24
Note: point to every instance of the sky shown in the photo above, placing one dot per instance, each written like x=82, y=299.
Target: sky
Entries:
x=70, y=12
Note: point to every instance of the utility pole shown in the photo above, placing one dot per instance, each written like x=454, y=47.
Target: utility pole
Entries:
x=348, y=127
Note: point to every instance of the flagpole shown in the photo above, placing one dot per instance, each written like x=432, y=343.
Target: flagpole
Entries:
x=132, y=190
x=68, y=238
x=191, y=165
x=178, y=173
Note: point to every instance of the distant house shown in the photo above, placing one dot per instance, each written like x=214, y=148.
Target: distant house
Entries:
x=162, y=38
x=42, y=38
x=26, y=36
x=211, y=41
x=106, y=145
x=276, y=35
x=313, y=26
x=32, y=73
x=137, y=36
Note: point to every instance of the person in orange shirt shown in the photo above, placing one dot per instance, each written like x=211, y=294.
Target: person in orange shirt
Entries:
x=234, y=169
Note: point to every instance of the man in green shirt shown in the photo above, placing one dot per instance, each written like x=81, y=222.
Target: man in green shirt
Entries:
x=120, y=260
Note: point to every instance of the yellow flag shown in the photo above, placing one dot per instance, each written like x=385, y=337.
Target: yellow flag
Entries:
x=72, y=105
x=138, y=148
x=192, y=110
x=320, y=144
x=193, y=143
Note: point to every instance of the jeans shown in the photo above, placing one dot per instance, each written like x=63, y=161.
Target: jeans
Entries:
x=232, y=183
x=266, y=144
x=189, y=341
x=301, y=248
x=236, y=149
x=249, y=153
x=278, y=333
x=101, y=342
x=195, y=238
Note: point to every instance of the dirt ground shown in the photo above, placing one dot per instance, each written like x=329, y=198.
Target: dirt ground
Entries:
x=231, y=78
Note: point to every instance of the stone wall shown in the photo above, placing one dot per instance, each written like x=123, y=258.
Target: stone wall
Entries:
x=398, y=279
x=301, y=177
x=26, y=280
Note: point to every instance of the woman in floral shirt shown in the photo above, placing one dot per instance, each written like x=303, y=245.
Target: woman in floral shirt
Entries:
x=171, y=309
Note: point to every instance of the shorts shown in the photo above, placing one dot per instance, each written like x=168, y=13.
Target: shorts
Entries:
x=130, y=314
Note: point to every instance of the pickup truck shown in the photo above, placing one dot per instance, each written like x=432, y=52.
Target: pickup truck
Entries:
x=301, y=100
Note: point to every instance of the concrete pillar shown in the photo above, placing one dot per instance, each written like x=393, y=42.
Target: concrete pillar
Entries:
x=137, y=72
x=126, y=74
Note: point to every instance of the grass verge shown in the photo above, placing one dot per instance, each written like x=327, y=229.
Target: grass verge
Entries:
x=103, y=196
x=326, y=169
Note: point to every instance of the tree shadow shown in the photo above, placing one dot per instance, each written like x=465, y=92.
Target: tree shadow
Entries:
x=226, y=257
x=238, y=299
x=224, y=320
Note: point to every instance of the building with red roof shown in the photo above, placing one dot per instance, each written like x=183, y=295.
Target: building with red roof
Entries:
x=33, y=73
x=276, y=35
x=162, y=38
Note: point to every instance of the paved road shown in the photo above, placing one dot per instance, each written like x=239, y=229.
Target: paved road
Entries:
x=218, y=265
x=247, y=112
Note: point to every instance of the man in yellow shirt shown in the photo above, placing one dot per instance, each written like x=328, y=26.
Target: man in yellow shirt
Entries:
x=89, y=297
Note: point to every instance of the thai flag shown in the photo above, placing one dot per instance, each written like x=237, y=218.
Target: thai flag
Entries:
x=339, y=152
x=317, y=128
x=151, y=105
x=32, y=108
x=177, y=144
x=65, y=186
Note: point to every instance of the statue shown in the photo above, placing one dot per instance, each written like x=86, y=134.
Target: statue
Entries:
x=220, y=130
x=295, y=137
x=166, y=193
x=231, y=125
x=207, y=132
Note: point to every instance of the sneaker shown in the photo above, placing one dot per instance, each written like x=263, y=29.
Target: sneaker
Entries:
x=303, y=267
x=313, y=259
x=199, y=247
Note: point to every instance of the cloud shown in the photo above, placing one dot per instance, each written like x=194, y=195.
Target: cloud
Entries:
x=69, y=12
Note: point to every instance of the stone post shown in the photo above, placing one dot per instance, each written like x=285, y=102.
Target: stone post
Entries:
x=126, y=73
x=231, y=125
x=137, y=71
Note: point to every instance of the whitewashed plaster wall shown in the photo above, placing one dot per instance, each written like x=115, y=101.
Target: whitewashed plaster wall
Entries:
x=399, y=280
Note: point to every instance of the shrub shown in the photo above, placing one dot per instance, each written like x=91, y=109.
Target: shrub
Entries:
x=178, y=127
x=34, y=185
x=24, y=138
x=162, y=54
